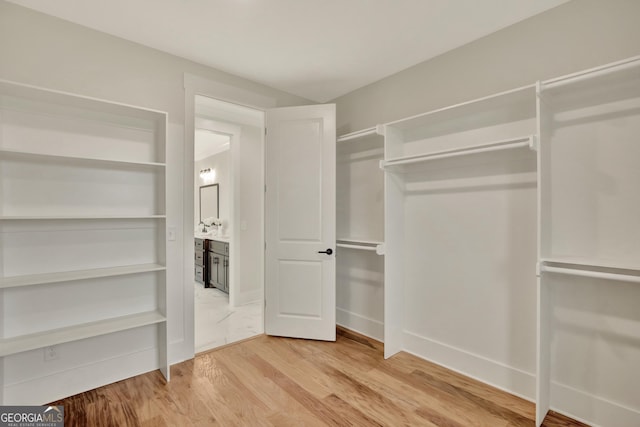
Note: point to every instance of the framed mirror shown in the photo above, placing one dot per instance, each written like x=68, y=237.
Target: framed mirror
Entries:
x=209, y=201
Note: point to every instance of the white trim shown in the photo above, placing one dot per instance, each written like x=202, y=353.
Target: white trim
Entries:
x=249, y=297
x=363, y=325
x=195, y=85
x=512, y=380
x=583, y=406
x=228, y=93
x=59, y=385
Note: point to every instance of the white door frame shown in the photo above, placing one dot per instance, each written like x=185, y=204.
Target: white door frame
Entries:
x=195, y=85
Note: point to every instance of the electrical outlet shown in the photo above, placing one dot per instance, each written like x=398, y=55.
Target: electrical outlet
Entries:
x=50, y=353
x=171, y=234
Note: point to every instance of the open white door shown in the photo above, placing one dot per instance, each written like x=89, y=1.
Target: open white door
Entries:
x=300, y=223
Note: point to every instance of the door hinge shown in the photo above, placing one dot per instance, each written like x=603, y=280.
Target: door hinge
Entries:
x=265, y=246
x=265, y=188
x=265, y=131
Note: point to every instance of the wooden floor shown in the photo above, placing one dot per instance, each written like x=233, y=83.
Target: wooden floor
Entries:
x=271, y=381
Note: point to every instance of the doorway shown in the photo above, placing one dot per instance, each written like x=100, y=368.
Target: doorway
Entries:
x=228, y=223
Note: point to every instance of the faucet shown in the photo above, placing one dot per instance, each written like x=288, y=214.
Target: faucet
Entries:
x=204, y=227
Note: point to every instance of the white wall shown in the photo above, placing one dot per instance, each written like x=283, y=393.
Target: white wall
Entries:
x=49, y=52
x=249, y=193
x=221, y=164
x=575, y=36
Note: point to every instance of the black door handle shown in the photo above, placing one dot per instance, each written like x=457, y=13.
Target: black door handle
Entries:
x=328, y=251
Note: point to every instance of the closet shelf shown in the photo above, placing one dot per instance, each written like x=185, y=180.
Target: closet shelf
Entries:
x=366, y=245
x=520, y=142
x=68, y=276
x=591, y=74
x=520, y=96
x=102, y=109
x=77, y=217
x=15, y=154
x=377, y=130
x=37, y=340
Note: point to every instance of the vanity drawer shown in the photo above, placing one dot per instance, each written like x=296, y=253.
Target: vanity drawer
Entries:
x=199, y=258
x=219, y=247
x=199, y=244
x=199, y=274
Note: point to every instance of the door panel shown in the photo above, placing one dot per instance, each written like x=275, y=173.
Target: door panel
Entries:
x=300, y=222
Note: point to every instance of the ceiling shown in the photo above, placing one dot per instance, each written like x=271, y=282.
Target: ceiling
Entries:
x=207, y=143
x=317, y=49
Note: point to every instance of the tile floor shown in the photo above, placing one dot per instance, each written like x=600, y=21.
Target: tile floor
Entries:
x=216, y=324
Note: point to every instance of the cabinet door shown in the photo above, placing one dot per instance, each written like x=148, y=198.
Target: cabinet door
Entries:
x=226, y=273
x=214, y=270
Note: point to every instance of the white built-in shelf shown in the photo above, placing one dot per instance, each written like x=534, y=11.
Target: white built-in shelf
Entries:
x=89, y=176
x=8, y=154
x=366, y=245
x=599, y=269
x=519, y=142
x=78, y=217
x=48, y=338
x=503, y=100
x=67, y=276
x=82, y=106
x=364, y=133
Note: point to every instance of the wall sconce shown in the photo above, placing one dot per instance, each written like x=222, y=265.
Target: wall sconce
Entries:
x=208, y=174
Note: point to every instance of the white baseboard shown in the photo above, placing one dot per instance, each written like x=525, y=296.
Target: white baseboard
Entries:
x=361, y=324
x=496, y=374
x=248, y=297
x=41, y=390
x=591, y=409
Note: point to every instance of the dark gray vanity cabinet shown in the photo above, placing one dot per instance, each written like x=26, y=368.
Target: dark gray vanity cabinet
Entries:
x=201, y=251
x=219, y=265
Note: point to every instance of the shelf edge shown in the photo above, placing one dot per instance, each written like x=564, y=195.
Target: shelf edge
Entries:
x=70, y=276
x=79, y=332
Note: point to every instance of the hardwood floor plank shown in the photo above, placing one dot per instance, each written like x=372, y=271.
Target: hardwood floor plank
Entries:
x=409, y=363
x=512, y=417
x=430, y=402
x=348, y=412
x=297, y=368
x=371, y=402
x=280, y=382
x=305, y=398
x=554, y=419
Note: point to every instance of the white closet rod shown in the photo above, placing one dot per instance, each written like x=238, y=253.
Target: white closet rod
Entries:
x=593, y=274
x=361, y=134
x=376, y=247
x=485, y=148
x=362, y=247
x=590, y=74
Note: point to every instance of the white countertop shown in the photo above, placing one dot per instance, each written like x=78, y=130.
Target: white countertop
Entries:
x=211, y=236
